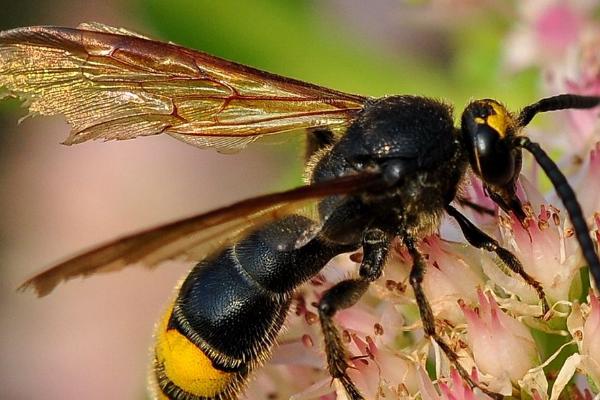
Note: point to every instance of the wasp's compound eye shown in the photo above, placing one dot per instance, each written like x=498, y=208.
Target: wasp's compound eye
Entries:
x=485, y=129
x=492, y=158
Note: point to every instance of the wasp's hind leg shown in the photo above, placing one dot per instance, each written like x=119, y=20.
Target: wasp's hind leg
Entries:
x=345, y=294
x=417, y=273
x=481, y=240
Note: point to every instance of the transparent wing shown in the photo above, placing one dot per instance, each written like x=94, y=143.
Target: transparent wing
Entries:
x=197, y=236
x=110, y=83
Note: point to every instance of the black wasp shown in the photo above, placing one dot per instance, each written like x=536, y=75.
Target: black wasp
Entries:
x=377, y=169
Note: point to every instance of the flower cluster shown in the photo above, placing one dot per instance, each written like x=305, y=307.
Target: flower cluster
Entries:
x=487, y=315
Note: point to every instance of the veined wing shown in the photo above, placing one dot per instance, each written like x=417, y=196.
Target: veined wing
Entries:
x=110, y=83
x=197, y=236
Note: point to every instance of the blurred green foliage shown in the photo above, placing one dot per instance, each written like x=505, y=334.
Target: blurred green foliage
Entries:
x=291, y=38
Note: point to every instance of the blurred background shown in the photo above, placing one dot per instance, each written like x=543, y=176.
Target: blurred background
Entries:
x=90, y=339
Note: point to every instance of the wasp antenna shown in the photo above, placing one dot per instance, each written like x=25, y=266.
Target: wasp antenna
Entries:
x=554, y=103
x=567, y=196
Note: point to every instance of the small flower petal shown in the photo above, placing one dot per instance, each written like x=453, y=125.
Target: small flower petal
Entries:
x=590, y=345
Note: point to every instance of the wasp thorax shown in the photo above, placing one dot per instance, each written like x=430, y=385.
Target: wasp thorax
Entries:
x=487, y=128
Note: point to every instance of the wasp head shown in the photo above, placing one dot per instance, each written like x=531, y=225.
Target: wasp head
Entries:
x=488, y=130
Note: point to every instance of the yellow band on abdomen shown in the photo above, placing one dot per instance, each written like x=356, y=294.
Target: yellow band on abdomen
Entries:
x=186, y=366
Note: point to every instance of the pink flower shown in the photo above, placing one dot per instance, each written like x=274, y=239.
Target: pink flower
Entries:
x=548, y=251
x=502, y=346
x=545, y=32
x=562, y=39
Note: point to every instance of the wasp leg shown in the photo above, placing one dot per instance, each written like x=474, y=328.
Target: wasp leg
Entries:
x=416, y=279
x=481, y=240
x=475, y=207
x=345, y=294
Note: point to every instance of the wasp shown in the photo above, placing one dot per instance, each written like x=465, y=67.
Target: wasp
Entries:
x=377, y=169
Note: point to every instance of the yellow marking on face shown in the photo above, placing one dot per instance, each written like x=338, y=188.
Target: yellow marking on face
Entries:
x=499, y=120
x=186, y=365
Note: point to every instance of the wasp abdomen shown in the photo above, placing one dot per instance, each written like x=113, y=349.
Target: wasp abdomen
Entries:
x=230, y=309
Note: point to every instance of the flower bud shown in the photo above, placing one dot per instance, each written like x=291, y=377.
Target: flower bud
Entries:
x=502, y=346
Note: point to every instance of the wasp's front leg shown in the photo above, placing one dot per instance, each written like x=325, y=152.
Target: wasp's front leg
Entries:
x=345, y=294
